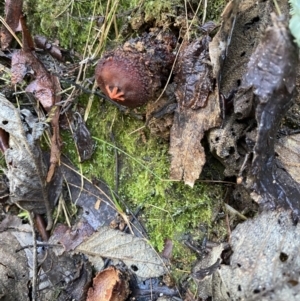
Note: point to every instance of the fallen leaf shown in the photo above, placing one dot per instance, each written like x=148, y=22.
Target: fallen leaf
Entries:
x=135, y=252
x=85, y=195
x=109, y=285
x=13, y=11
x=45, y=88
x=26, y=169
x=14, y=272
x=70, y=238
x=273, y=82
x=265, y=260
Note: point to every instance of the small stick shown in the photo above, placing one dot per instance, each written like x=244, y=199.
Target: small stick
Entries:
x=34, y=259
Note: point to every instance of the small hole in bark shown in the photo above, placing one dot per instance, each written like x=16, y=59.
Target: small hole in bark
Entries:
x=283, y=257
x=231, y=150
x=134, y=268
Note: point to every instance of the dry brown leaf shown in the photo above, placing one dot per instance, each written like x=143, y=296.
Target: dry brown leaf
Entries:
x=13, y=10
x=135, y=252
x=195, y=114
x=109, y=285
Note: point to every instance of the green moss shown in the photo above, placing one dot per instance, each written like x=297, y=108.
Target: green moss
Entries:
x=215, y=9
x=170, y=209
x=155, y=9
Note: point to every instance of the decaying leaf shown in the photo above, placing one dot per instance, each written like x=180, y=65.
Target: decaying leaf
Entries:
x=272, y=76
x=14, y=272
x=287, y=149
x=135, y=252
x=26, y=169
x=109, y=285
x=218, y=47
x=264, y=263
x=13, y=10
x=60, y=277
x=85, y=195
x=70, y=238
x=265, y=260
x=243, y=23
x=82, y=138
x=194, y=115
x=45, y=88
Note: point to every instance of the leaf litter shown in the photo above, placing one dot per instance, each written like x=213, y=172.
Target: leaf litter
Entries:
x=204, y=71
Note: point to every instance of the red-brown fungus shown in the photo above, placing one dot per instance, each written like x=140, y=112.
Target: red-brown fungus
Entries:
x=134, y=74
x=123, y=80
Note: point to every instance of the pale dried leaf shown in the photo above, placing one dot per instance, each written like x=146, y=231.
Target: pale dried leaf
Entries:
x=14, y=273
x=288, y=150
x=265, y=262
x=135, y=252
x=26, y=170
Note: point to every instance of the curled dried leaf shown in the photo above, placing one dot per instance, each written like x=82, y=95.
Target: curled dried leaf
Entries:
x=109, y=285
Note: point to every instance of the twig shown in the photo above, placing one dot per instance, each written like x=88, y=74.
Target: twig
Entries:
x=34, y=259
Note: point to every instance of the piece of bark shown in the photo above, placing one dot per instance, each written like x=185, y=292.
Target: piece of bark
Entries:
x=194, y=114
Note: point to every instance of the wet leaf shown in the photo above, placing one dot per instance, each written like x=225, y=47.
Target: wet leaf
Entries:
x=273, y=80
x=26, y=169
x=68, y=275
x=70, y=238
x=82, y=138
x=109, y=285
x=135, y=252
x=13, y=11
x=45, y=88
x=86, y=195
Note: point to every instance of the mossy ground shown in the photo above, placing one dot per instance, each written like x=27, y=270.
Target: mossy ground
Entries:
x=170, y=209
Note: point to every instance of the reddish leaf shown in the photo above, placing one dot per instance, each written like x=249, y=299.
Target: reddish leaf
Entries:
x=13, y=10
x=109, y=285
